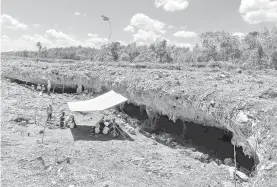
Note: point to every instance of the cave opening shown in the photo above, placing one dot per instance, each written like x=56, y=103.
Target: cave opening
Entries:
x=58, y=89
x=209, y=140
x=134, y=111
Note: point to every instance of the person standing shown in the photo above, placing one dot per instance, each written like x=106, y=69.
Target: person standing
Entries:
x=33, y=88
x=62, y=117
x=49, y=112
x=79, y=89
x=48, y=87
x=38, y=88
x=43, y=88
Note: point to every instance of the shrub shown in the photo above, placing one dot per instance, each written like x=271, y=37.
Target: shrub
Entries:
x=274, y=59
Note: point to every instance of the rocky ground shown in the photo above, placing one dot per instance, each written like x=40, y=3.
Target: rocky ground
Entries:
x=226, y=96
x=76, y=158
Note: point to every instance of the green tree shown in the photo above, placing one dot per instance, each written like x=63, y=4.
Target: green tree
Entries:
x=160, y=48
x=131, y=50
x=115, y=49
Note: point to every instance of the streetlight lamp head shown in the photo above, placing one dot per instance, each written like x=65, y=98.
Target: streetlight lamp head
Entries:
x=105, y=18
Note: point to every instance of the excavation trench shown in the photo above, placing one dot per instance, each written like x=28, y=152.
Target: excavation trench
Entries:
x=209, y=140
x=216, y=142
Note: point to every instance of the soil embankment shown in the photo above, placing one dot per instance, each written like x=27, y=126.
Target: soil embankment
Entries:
x=243, y=103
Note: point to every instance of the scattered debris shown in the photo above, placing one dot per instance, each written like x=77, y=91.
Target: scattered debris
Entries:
x=269, y=93
x=21, y=120
x=132, y=131
x=204, y=158
x=59, y=170
x=67, y=159
x=271, y=166
x=242, y=176
x=187, y=166
x=49, y=169
x=54, y=182
x=212, y=103
x=260, y=82
x=228, y=162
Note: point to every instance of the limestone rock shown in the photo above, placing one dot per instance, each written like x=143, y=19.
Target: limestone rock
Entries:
x=270, y=166
x=228, y=161
x=242, y=176
x=242, y=118
x=239, y=174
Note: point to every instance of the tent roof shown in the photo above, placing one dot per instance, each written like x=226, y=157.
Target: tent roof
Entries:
x=102, y=102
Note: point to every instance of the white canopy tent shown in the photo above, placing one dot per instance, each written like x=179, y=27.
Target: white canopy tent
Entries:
x=102, y=102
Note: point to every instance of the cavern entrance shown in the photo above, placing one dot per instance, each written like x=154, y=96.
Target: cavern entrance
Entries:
x=58, y=89
x=209, y=140
x=134, y=111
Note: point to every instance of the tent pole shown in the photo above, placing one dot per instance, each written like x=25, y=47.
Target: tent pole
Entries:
x=121, y=132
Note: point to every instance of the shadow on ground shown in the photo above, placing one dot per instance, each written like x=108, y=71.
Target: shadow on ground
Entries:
x=83, y=134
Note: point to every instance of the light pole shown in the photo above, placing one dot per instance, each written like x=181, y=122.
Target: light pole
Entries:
x=107, y=19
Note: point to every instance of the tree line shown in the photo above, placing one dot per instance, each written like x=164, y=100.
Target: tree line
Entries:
x=254, y=49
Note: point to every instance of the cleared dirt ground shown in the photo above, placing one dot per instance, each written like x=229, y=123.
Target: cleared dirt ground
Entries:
x=93, y=160
x=176, y=91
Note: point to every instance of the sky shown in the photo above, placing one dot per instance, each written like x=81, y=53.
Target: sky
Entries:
x=64, y=23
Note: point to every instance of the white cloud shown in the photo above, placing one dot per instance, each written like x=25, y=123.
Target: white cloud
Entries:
x=146, y=37
x=129, y=28
x=5, y=38
x=95, y=42
x=92, y=35
x=184, y=45
x=60, y=36
x=50, y=39
x=148, y=30
x=257, y=11
x=25, y=42
x=141, y=21
x=37, y=38
x=185, y=34
x=10, y=23
x=172, y=5
x=170, y=27
x=122, y=42
x=35, y=25
x=238, y=34
x=79, y=14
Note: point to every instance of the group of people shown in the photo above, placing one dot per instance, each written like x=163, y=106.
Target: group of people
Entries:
x=41, y=88
x=64, y=121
